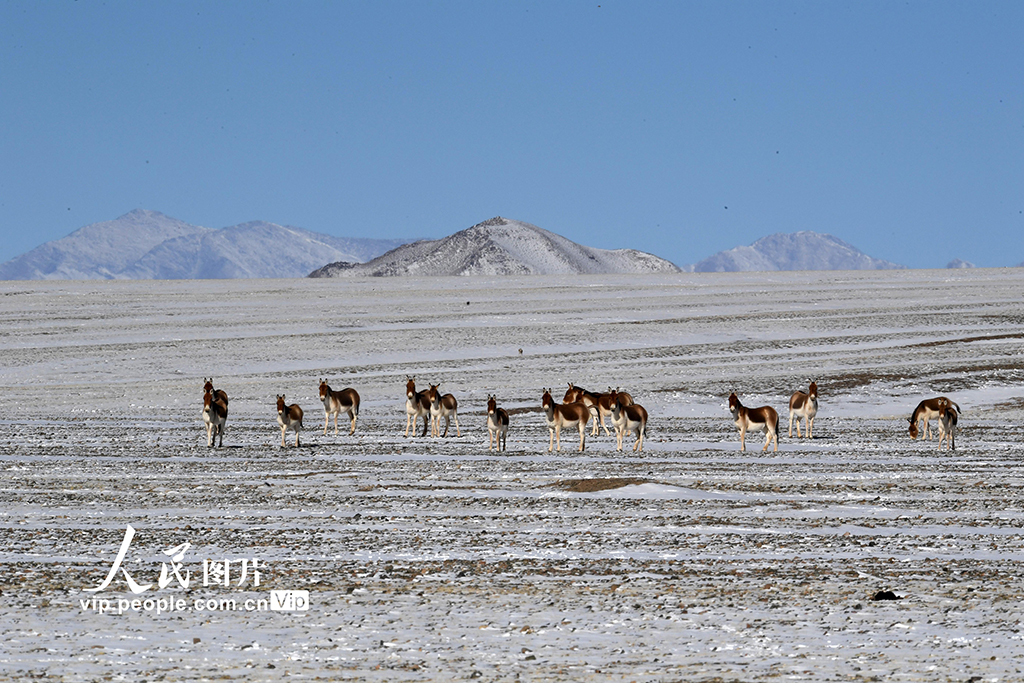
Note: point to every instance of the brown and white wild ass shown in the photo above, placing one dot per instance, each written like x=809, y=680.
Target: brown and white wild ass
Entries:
x=215, y=412
x=628, y=418
x=337, y=402
x=417, y=405
x=805, y=406
x=948, y=419
x=562, y=415
x=442, y=406
x=926, y=411
x=289, y=417
x=764, y=418
x=497, y=425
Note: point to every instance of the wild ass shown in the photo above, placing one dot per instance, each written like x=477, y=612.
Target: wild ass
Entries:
x=289, y=417
x=442, y=406
x=215, y=412
x=805, y=406
x=926, y=411
x=564, y=415
x=948, y=419
x=628, y=418
x=764, y=418
x=599, y=405
x=417, y=405
x=497, y=425
x=336, y=402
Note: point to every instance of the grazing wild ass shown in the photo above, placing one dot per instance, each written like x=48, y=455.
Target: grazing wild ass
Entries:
x=417, y=405
x=948, y=419
x=442, y=406
x=497, y=425
x=926, y=411
x=805, y=406
x=628, y=418
x=764, y=418
x=289, y=417
x=562, y=415
x=336, y=402
x=215, y=412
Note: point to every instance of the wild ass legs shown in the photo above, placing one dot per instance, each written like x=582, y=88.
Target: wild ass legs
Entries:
x=764, y=418
x=497, y=425
x=805, y=406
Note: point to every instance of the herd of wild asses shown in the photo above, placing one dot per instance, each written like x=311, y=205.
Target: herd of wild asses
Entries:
x=575, y=411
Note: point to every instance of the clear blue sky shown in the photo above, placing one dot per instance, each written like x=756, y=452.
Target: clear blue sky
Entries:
x=679, y=128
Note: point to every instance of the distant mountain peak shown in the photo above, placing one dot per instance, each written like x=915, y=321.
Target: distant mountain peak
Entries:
x=960, y=263
x=501, y=246
x=804, y=250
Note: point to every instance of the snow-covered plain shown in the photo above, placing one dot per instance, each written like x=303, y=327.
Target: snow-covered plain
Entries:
x=432, y=559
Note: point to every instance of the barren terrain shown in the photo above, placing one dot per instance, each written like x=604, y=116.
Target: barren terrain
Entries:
x=433, y=559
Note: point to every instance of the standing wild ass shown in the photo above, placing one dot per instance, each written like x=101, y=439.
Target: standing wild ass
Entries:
x=562, y=415
x=442, y=406
x=764, y=418
x=289, y=417
x=805, y=406
x=417, y=405
x=926, y=411
x=215, y=412
x=628, y=418
x=497, y=425
x=336, y=402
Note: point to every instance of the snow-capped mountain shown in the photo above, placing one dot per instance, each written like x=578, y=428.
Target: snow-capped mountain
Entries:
x=149, y=245
x=100, y=251
x=804, y=250
x=250, y=250
x=501, y=246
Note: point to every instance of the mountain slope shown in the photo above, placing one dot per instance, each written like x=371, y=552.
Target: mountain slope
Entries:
x=500, y=246
x=99, y=250
x=793, y=251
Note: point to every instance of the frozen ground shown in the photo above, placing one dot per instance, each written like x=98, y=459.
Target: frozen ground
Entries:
x=431, y=559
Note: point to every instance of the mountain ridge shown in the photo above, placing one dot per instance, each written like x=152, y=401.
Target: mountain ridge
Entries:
x=803, y=250
x=143, y=245
x=500, y=246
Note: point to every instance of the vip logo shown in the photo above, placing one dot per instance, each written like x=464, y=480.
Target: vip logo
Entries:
x=289, y=601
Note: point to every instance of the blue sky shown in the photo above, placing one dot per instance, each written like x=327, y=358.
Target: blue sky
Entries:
x=679, y=128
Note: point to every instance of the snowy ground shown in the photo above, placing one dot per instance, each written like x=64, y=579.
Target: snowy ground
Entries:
x=431, y=559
